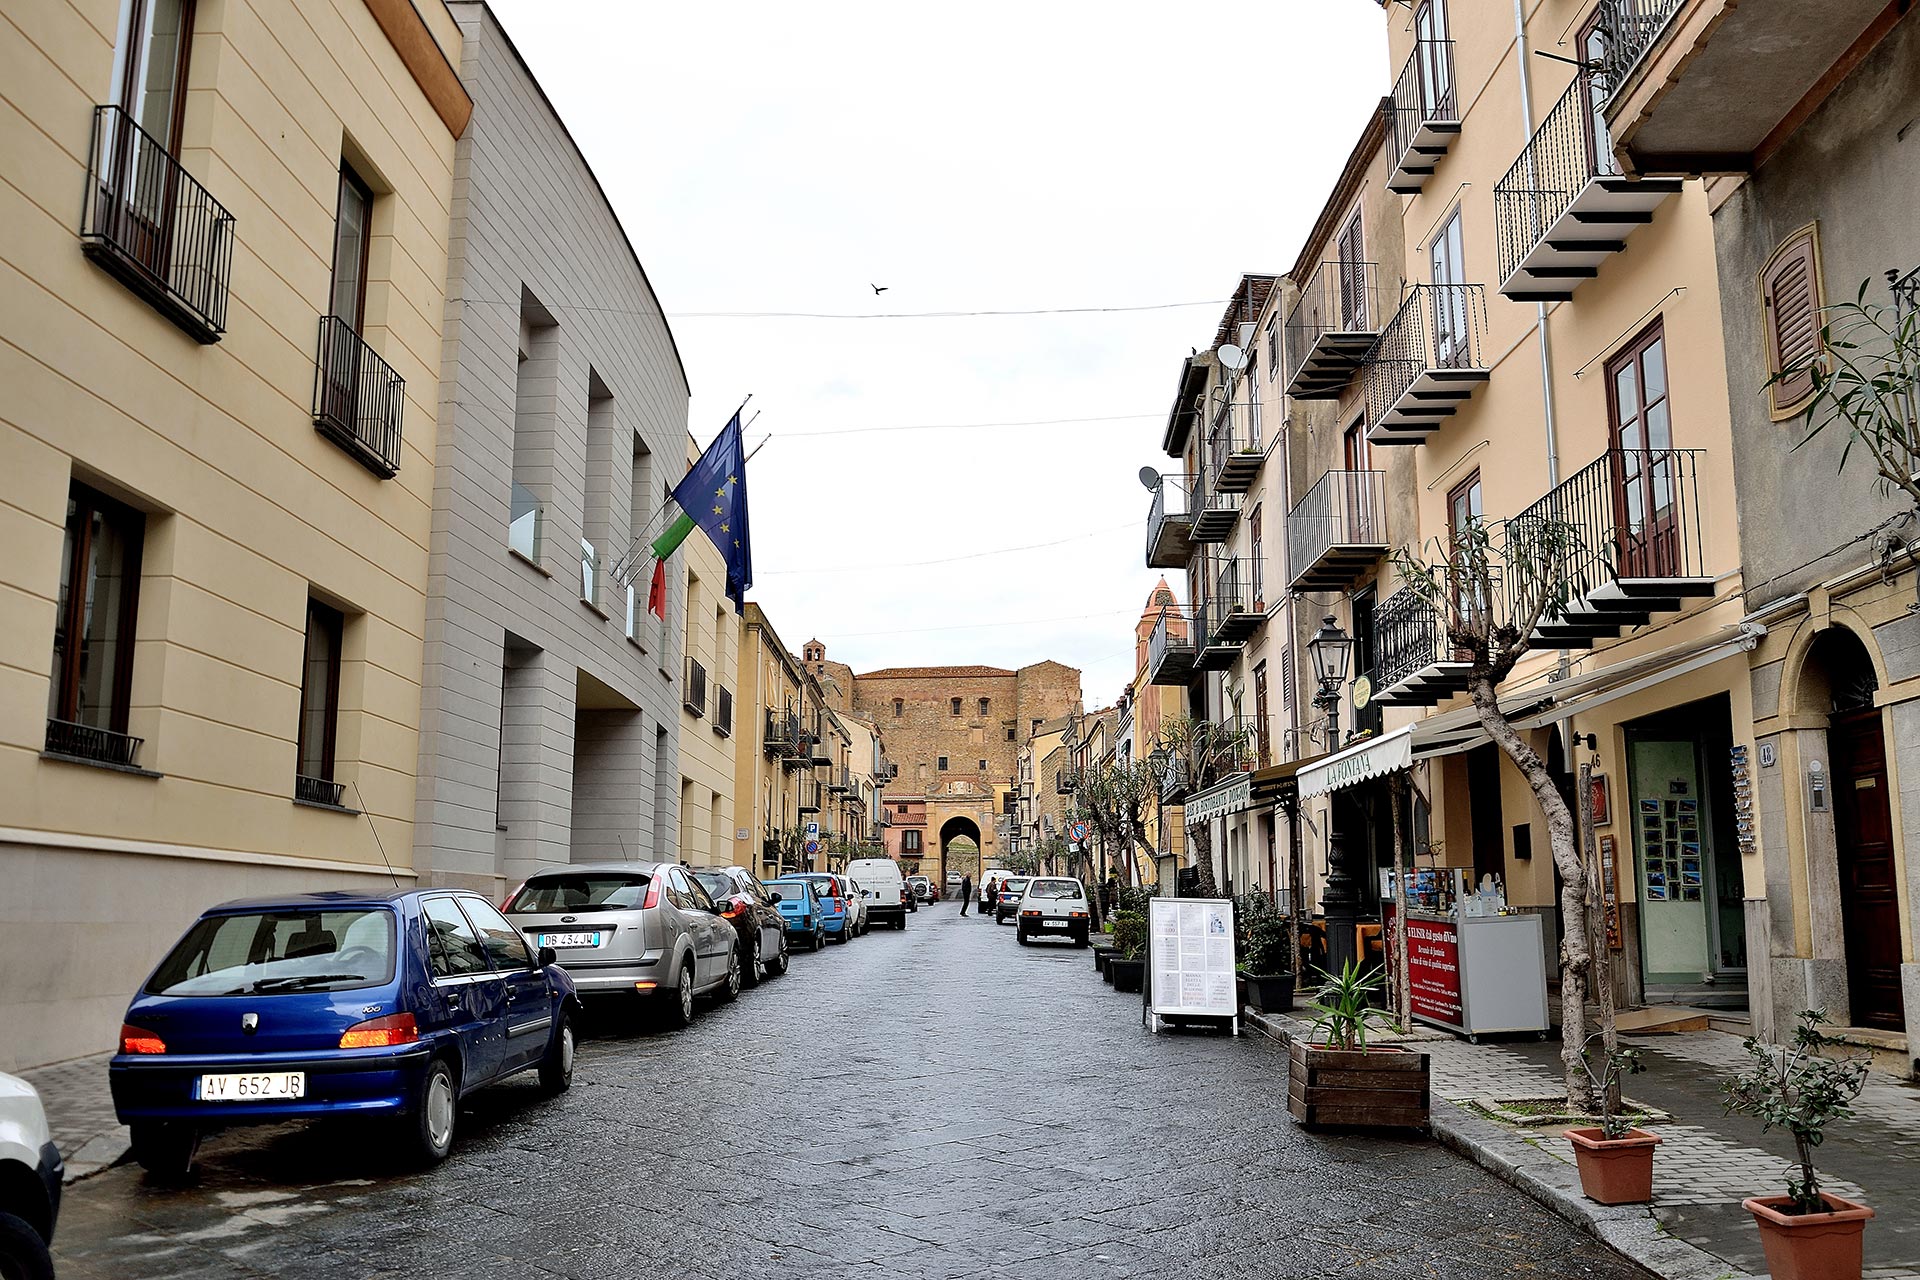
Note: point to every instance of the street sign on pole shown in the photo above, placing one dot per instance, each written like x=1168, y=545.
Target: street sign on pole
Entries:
x=1078, y=831
x=813, y=831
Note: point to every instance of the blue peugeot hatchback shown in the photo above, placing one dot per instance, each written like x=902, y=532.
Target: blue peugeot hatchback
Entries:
x=337, y=1004
x=802, y=911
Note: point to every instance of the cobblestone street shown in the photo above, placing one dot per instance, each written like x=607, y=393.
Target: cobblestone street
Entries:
x=1010, y=1118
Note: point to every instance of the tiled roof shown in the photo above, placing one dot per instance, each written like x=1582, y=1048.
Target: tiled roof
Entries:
x=905, y=673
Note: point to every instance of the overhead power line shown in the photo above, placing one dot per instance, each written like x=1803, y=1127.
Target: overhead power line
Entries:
x=935, y=315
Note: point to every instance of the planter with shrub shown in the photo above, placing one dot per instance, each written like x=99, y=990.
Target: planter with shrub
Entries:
x=1126, y=967
x=1614, y=1158
x=1339, y=1080
x=1269, y=964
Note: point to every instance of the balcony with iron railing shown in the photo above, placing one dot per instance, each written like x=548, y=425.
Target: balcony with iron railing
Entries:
x=1170, y=649
x=1233, y=612
x=1423, y=116
x=1564, y=207
x=1234, y=452
x=71, y=740
x=842, y=781
x=723, y=711
x=1427, y=362
x=1331, y=328
x=1215, y=512
x=1170, y=524
x=1701, y=86
x=1626, y=531
x=693, y=690
x=148, y=223
x=1413, y=665
x=1063, y=782
x=357, y=398
x=1338, y=530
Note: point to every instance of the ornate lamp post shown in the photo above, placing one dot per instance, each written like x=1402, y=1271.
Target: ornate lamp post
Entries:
x=1332, y=651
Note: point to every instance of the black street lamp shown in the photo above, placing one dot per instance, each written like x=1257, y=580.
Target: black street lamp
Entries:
x=1332, y=653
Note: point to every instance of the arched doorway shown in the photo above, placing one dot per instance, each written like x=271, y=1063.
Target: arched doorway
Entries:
x=959, y=849
x=1839, y=681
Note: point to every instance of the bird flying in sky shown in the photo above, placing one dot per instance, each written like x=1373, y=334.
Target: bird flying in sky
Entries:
x=878, y=289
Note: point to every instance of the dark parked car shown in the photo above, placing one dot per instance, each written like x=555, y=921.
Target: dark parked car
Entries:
x=646, y=929
x=763, y=935
x=1007, y=902
x=337, y=1004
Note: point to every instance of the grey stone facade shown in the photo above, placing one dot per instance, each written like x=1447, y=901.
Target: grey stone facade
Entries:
x=550, y=724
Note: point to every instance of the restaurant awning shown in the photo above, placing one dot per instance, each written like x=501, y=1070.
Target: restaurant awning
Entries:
x=1228, y=797
x=1530, y=707
x=1268, y=783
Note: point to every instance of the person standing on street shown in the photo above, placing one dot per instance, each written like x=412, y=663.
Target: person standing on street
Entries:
x=966, y=892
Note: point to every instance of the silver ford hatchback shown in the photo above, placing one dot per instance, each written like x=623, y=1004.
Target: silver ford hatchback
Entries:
x=644, y=929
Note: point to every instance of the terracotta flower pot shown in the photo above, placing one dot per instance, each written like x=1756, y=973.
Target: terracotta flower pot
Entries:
x=1810, y=1246
x=1615, y=1170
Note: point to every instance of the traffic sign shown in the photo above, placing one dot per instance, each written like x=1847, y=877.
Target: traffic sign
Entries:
x=1078, y=831
x=813, y=830
x=813, y=847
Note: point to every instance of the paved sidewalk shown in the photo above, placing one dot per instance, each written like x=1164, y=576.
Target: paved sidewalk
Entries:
x=1707, y=1163
x=80, y=1113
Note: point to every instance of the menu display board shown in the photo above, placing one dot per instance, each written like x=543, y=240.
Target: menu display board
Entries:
x=1190, y=952
x=1433, y=970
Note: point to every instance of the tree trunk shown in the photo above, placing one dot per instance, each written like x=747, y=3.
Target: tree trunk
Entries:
x=1200, y=841
x=1402, y=994
x=1597, y=932
x=1576, y=952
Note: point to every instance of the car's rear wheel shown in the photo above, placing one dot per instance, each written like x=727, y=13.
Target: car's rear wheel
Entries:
x=750, y=972
x=1020, y=934
x=680, y=999
x=556, y=1069
x=778, y=965
x=730, y=989
x=841, y=936
x=23, y=1254
x=164, y=1148
x=1080, y=939
x=435, y=1114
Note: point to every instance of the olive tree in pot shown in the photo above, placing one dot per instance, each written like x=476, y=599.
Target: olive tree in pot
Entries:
x=1127, y=966
x=1807, y=1233
x=1615, y=1159
x=1335, y=1078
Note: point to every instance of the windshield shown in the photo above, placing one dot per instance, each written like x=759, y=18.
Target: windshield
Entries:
x=582, y=891
x=261, y=952
x=822, y=885
x=1055, y=889
x=1012, y=886
x=720, y=886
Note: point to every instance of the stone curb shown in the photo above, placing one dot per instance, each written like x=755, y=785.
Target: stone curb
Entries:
x=1630, y=1230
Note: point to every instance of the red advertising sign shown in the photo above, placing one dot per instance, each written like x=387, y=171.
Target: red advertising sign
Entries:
x=1433, y=970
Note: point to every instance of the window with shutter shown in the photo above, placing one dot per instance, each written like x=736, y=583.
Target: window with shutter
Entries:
x=1790, y=299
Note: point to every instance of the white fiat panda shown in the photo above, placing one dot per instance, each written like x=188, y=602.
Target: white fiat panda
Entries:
x=883, y=890
x=1054, y=905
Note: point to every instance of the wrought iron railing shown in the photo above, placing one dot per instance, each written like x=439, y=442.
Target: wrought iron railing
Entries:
x=1163, y=507
x=1344, y=508
x=1231, y=433
x=151, y=224
x=318, y=790
x=693, y=693
x=1438, y=326
x=1231, y=596
x=1424, y=91
x=1568, y=150
x=1630, y=513
x=1407, y=637
x=723, y=712
x=1632, y=27
x=1228, y=745
x=358, y=398
x=1338, y=297
x=89, y=742
x=1165, y=637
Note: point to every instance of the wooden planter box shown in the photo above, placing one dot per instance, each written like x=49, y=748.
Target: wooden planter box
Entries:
x=1372, y=1088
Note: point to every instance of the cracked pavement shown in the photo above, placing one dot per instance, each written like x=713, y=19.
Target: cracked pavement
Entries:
x=930, y=1104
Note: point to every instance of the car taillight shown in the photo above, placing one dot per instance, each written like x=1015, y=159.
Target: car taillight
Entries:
x=381, y=1033
x=731, y=911
x=140, y=1040
x=1029, y=913
x=1076, y=915
x=652, y=899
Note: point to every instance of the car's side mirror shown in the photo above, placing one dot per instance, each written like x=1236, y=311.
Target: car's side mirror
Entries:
x=774, y=897
x=546, y=956
x=866, y=893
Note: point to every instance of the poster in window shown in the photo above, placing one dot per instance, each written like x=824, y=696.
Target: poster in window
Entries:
x=1599, y=804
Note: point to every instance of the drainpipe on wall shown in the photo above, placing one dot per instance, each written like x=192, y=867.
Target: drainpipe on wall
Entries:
x=1540, y=308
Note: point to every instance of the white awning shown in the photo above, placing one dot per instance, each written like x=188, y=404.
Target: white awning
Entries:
x=1217, y=801
x=1357, y=763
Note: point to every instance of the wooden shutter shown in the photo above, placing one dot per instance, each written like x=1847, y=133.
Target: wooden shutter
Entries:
x=1790, y=298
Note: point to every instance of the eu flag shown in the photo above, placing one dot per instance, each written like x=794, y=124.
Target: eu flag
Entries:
x=713, y=495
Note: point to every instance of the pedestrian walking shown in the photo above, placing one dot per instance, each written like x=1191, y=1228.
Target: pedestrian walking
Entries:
x=966, y=892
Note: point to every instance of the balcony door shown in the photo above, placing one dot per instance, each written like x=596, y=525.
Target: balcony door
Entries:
x=1352, y=252
x=1596, y=46
x=1646, y=527
x=1447, y=256
x=150, y=81
x=1436, y=66
x=346, y=304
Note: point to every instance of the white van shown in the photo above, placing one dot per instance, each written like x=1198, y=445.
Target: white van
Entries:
x=882, y=890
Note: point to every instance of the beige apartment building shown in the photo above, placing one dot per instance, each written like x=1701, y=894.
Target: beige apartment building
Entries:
x=1553, y=351
x=217, y=437
x=778, y=750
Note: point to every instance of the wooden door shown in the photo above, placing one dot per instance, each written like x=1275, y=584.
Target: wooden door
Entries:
x=1354, y=311
x=1869, y=899
x=1645, y=469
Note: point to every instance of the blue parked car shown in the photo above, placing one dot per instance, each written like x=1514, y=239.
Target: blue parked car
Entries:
x=337, y=1004
x=802, y=911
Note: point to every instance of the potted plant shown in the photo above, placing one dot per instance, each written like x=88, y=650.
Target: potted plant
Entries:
x=1126, y=967
x=1269, y=964
x=1807, y=1233
x=1615, y=1159
x=1335, y=1078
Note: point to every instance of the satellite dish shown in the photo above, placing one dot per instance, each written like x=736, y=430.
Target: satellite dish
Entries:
x=1232, y=357
x=1149, y=478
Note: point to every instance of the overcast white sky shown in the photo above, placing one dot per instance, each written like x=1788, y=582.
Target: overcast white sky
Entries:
x=785, y=157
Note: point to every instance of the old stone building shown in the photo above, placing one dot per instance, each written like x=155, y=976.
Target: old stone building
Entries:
x=954, y=734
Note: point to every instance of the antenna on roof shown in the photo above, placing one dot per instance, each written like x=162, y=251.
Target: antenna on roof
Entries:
x=361, y=801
